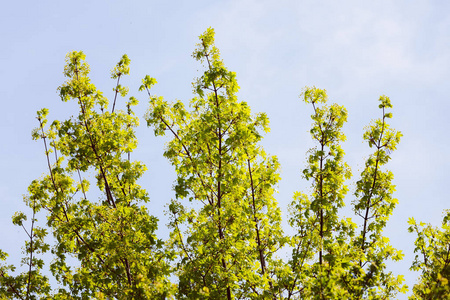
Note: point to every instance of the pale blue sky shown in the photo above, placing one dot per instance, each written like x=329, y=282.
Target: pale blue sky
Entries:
x=357, y=50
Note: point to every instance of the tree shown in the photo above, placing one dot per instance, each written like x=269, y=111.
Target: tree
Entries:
x=316, y=219
x=432, y=259
x=374, y=204
x=225, y=221
x=113, y=239
x=31, y=282
x=330, y=260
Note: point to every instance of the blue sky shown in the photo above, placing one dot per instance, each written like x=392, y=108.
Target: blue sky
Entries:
x=356, y=50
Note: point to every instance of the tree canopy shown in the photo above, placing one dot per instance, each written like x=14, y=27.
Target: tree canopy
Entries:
x=225, y=222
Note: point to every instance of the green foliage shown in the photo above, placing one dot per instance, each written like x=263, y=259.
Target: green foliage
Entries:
x=316, y=218
x=330, y=260
x=112, y=239
x=432, y=259
x=225, y=221
x=31, y=283
x=374, y=204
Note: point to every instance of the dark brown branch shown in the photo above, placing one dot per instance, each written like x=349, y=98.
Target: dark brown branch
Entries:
x=117, y=91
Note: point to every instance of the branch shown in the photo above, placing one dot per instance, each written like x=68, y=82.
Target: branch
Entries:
x=117, y=91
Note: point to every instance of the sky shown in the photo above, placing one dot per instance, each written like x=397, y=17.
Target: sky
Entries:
x=356, y=50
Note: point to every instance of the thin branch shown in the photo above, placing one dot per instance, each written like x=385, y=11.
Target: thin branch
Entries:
x=117, y=91
x=31, y=250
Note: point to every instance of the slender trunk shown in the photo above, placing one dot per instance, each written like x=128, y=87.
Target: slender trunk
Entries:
x=366, y=217
x=262, y=259
x=321, y=204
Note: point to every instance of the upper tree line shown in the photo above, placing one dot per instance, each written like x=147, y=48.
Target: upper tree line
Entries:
x=225, y=221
